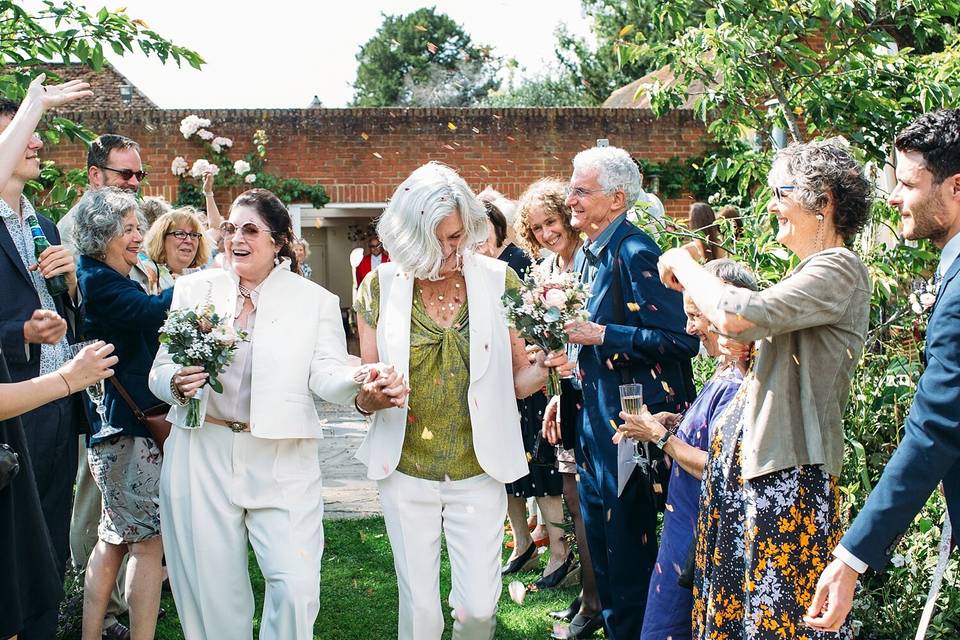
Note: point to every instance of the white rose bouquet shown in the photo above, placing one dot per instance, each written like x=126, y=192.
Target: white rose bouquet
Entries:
x=541, y=306
x=200, y=338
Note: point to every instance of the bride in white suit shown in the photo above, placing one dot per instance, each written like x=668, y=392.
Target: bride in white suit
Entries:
x=435, y=314
x=252, y=471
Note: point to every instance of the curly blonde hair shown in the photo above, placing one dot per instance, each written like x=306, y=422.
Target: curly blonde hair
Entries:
x=155, y=247
x=551, y=194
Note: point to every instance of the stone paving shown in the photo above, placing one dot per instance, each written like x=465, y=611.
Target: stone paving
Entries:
x=347, y=493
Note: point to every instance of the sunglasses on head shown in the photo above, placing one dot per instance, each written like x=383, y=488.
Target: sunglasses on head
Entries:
x=249, y=230
x=126, y=174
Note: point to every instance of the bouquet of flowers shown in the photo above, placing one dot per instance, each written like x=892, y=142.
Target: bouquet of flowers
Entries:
x=545, y=301
x=200, y=338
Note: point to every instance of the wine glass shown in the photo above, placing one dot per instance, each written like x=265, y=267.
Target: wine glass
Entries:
x=631, y=401
x=96, y=391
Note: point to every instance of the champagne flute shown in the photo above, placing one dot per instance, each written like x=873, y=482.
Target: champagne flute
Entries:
x=96, y=392
x=631, y=401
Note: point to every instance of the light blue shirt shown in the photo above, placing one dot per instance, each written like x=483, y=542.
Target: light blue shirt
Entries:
x=950, y=253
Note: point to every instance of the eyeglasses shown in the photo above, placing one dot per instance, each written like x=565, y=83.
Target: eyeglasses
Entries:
x=580, y=192
x=126, y=174
x=782, y=192
x=249, y=230
x=182, y=236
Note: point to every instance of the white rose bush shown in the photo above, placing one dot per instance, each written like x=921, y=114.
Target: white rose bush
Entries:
x=541, y=306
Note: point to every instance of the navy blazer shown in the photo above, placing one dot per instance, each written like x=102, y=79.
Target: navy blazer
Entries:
x=930, y=450
x=119, y=311
x=653, y=338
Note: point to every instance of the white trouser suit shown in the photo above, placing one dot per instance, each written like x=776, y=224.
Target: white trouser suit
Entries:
x=469, y=512
x=220, y=490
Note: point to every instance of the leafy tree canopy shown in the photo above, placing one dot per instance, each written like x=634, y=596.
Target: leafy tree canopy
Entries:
x=544, y=90
x=419, y=48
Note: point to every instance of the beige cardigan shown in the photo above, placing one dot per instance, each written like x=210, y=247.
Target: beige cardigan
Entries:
x=810, y=329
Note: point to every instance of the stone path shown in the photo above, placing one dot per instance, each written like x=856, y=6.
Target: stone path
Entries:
x=347, y=493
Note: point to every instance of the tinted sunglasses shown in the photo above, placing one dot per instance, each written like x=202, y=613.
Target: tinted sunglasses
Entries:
x=249, y=230
x=126, y=174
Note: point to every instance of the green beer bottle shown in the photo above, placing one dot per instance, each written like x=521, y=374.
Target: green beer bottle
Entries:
x=57, y=284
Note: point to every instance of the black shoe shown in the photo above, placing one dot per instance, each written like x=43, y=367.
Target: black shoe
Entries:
x=585, y=626
x=524, y=562
x=561, y=575
x=568, y=613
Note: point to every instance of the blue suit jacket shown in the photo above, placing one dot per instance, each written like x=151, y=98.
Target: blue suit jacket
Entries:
x=930, y=450
x=652, y=339
x=119, y=311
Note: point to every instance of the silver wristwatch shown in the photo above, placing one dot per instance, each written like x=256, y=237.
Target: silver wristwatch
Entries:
x=662, y=442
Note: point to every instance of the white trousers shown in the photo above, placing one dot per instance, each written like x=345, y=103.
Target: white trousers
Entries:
x=219, y=489
x=470, y=513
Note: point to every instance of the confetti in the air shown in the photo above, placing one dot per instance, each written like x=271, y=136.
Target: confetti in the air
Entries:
x=377, y=155
x=451, y=126
x=365, y=135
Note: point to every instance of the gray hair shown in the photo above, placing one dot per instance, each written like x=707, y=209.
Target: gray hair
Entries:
x=816, y=169
x=99, y=219
x=616, y=171
x=733, y=273
x=408, y=226
x=506, y=206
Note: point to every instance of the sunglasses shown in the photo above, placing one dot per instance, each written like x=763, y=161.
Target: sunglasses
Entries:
x=783, y=192
x=126, y=174
x=182, y=236
x=249, y=230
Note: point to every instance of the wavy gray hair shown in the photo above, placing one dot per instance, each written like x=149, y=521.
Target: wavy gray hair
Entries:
x=732, y=273
x=616, y=171
x=99, y=219
x=823, y=167
x=408, y=226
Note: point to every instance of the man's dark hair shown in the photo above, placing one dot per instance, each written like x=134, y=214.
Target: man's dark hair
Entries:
x=8, y=107
x=100, y=148
x=935, y=136
x=499, y=222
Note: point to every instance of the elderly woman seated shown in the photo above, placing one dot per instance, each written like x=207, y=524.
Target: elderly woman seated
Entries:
x=123, y=458
x=669, y=606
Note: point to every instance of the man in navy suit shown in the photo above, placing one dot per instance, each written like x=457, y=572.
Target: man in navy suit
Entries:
x=928, y=196
x=646, y=336
x=31, y=331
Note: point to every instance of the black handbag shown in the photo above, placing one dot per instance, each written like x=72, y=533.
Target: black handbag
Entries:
x=9, y=465
x=653, y=469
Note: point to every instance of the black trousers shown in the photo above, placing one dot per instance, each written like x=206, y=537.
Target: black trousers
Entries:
x=51, y=432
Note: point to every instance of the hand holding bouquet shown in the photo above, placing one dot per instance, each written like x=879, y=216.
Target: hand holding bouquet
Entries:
x=200, y=338
x=543, y=304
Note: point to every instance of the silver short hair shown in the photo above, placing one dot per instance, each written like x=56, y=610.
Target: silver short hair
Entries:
x=733, y=273
x=408, y=226
x=616, y=171
x=99, y=219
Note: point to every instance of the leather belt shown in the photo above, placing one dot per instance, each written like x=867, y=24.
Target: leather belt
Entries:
x=233, y=425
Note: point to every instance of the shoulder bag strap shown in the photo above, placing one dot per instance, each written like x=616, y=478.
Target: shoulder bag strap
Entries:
x=126, y=398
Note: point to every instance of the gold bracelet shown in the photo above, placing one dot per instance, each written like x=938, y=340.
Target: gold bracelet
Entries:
x=62, y=377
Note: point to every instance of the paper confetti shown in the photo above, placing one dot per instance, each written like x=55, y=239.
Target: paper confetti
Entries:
x=451, y=126
x=365, y=135
x=633, y=306
x=427, y=434
x=377, y=155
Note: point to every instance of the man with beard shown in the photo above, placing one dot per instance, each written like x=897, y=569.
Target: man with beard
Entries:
x=112, y=161
x=928, y=197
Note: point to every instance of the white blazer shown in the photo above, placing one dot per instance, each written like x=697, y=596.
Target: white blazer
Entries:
x=491, y=398
x=299, y=350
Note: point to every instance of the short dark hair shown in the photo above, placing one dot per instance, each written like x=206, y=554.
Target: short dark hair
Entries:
x=275, y=214
x=100, y=149
x=733, y=273
x=935, y=136
x=498, y=220
x=8, y=107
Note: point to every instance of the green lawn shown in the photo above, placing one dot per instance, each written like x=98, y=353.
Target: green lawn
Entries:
x=358, y=597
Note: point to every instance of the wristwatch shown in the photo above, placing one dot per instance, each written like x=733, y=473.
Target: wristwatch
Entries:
x=662, y=442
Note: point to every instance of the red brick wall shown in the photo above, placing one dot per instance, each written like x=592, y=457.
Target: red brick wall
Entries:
x=361, y=155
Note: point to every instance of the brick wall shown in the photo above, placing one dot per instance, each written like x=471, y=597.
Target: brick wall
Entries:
x=361, y=155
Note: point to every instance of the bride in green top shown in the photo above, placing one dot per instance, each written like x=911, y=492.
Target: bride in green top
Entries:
x=434, y=313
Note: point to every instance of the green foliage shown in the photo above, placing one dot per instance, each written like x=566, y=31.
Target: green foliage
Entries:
x=540, y=91
x=409, y=50
x=601, y=69
x=746, y=52
x=65, y=31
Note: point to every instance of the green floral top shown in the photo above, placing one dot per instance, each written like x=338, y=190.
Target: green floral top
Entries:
x=439, y=440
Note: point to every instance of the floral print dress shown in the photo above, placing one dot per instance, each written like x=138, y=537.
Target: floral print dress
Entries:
x=761, y=543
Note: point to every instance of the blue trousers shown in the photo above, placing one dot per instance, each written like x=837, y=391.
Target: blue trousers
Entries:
x=621, y=532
